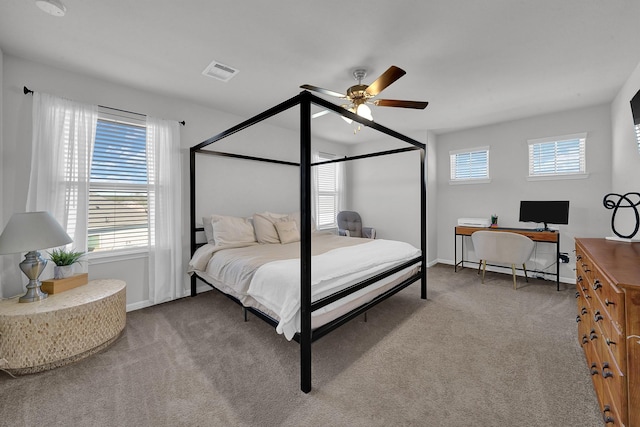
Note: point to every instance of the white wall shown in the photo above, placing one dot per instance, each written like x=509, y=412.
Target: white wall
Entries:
x=432, y=198
x=256, y=186
x=626, y=159
x=509, y=185
x=201, y=123
x=385, y=190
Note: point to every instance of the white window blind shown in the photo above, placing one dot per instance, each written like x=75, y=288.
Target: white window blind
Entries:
x=327, y=208
x=118, y=209
x=470, y=164
x=563, y=155
x=638, y=136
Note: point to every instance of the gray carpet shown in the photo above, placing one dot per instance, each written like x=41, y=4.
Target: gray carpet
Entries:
x=471, y=355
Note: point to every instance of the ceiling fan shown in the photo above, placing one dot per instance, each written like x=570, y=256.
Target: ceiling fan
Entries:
x=360, y=95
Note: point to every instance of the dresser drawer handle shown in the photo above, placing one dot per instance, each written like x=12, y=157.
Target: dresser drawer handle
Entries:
x=578, y=319
x=579, y=279
x=608, y=419
x=585, y=339
x=597, y=316
x=593, y=335
x=606, y=372
x=597, y=285
x=577, y=294
x=594, y=369
x=609, y=342
x=578, y=257
x=608, y=303
x=584, y=310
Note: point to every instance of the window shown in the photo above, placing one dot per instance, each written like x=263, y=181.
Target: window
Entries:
x=118, y=194
x=470, y=166
x=328, y=192
x=557, y=156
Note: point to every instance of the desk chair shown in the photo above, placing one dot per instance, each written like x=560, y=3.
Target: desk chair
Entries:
x=503, y=247
x=350, y=224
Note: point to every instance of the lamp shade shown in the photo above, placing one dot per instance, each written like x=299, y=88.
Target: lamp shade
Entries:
x=32, y=231
x=347, y=119
x=364, y=111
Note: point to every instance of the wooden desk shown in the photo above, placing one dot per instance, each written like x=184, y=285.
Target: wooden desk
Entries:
x=537, y=236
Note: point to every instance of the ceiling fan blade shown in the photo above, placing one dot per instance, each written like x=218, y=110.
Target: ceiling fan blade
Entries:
x=403, y=104
x=320, y=114
x=388, y=77
x=325, y=91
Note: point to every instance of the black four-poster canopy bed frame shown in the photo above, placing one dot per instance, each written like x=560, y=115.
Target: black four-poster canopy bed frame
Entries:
x=307, y=335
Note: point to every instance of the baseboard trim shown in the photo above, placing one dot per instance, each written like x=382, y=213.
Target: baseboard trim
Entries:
x=506, y=270
x=138, y=305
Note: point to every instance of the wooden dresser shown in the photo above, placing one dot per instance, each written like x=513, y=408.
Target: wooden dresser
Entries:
x=608, y=295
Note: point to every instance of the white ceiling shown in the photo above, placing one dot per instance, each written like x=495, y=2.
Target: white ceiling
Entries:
x=476, y=62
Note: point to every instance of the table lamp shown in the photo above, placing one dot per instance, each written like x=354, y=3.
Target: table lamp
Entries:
x=30, y=232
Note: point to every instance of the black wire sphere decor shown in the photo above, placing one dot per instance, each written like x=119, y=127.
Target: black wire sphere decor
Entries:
x=616, y=201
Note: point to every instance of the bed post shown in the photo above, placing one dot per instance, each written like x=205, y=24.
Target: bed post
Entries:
x=192, y=211
x=423, y=225
x=305, y=244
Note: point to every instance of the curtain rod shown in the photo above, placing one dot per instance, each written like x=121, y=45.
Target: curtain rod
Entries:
x=27, y=91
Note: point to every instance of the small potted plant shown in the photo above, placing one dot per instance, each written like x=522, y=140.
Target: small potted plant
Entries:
x=64, y=259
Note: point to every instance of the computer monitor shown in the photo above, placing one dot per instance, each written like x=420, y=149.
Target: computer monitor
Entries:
x=545, y=211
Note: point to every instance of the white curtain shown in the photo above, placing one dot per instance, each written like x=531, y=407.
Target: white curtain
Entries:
x=166, y=275
x=63, y=137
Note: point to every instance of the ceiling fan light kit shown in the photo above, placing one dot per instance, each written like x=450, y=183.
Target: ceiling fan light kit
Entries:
x=364, y=111
x=359, y=95
x=347, y=119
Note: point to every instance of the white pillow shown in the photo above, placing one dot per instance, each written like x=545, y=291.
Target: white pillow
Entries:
x=265, y=225
x=287, y=231
x=265, y=230
x=230, y=230
x=295, y=216
x=208, y=229
x=276, y=216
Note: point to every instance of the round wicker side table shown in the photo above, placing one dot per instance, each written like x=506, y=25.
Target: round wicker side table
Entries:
x=62, y=328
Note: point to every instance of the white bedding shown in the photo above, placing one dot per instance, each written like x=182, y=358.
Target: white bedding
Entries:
x=276, y=285
x=267, y=276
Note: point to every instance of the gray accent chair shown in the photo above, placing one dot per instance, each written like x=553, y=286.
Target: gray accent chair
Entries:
x=350, y=224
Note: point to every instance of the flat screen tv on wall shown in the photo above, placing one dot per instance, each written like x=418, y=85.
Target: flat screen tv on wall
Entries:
x=635, y=111
x=545, y=212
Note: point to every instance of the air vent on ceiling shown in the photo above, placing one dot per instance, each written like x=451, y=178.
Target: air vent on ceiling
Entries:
x=220, y=71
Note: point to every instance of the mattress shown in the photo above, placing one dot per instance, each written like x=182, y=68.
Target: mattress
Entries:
x=267, y=276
